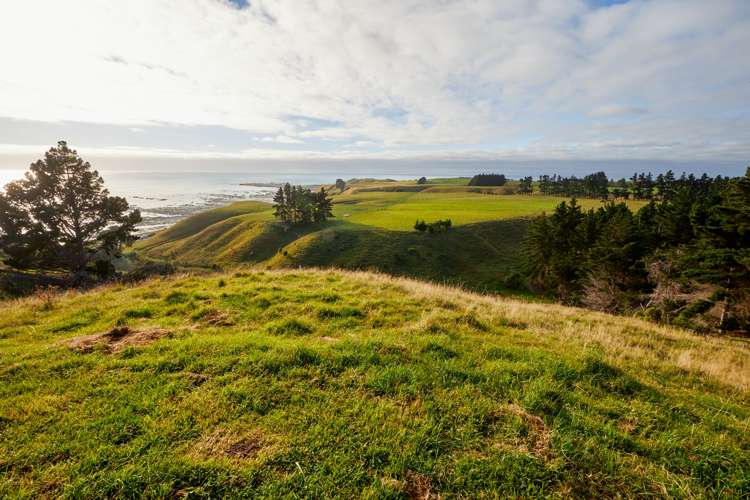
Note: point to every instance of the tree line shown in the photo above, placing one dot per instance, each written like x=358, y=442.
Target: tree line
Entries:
x=295, y=205
x=684, y=258
x=488, y=180
x=594, y=185
x=641, y=186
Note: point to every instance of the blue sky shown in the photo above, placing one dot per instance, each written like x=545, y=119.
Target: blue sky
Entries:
x=317, y=79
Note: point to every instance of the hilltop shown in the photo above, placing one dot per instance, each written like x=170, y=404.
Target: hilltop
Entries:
x=332, y=383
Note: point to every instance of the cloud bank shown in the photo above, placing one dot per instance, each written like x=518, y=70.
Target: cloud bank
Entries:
x=381, y=79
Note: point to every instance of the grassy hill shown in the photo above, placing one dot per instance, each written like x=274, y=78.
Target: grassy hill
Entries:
x=372, y=229
x=327, y=383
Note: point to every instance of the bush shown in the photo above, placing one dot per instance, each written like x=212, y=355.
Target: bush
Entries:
x=422, y=180
x=439, y=226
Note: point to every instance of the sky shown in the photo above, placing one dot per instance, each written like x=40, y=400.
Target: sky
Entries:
x=608, y=80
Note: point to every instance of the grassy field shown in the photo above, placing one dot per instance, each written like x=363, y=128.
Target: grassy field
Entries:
x=372, y=229
x=399, y=210
x=353, y=385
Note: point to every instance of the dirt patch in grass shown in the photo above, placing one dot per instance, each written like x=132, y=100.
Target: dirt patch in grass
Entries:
x=232, y=445
x=244, y=448
x=419, y=487
x=195, y=378
x=116, y=339
x=217, y=318
x=627, y=425
x=538, y=439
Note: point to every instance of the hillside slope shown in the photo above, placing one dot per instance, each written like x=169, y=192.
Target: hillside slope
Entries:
x=480, y=255
x=373, y=230
x=327, y=383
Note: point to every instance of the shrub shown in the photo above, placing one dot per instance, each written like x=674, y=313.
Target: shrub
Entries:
x=439, y=226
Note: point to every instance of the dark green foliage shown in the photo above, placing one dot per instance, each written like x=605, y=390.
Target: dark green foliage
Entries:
x=422, y=180
x=340, y=184
x=592, y=186
x=683, y=258
x=61, y=216
x=296, y=205
x=554, y=248
x=439, y=226
x=488, y=180
x=525, y=185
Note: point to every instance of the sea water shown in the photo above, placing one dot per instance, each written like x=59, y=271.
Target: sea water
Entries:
x=167, y=191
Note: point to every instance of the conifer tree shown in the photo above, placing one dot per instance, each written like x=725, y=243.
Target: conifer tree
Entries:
x=62, y=216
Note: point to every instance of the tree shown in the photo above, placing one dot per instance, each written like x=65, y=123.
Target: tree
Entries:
x=554, y=249
x=422, y=180
x=61, y=216
x=525, y=185
x=488, y=180
x=298, y=205
x=322, y=206
x=721, y=255
x=280, y=208
x=340, y=184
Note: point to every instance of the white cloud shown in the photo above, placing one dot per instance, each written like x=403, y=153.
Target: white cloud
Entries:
x=281, y=139
x=617, y=110
x=466, y=74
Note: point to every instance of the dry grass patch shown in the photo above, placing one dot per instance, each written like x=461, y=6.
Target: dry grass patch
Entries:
x=419, y=487
x=217, y=318
x=539, y=435
x=116, y=339
x=234, y=445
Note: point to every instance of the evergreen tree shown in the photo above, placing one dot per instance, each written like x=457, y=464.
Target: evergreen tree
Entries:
x=298, y=205
x=553, y=250
x=488, y=180
x=280, y=208
x=721, y=255
x=62, y=216
x=323, y=206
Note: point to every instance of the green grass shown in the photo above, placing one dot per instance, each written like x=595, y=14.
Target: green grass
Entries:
x=372, y=229
x=330, y=384
x=476, y=256
x=399, y=210
x=249, y=210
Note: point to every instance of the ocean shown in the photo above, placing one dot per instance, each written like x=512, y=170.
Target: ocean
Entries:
x=167, y=191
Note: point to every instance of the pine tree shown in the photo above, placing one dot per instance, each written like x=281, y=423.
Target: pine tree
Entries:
x=323, y=206
x=62, y=216
x=280, y=208
x=298, y=205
